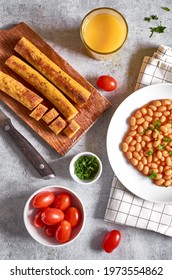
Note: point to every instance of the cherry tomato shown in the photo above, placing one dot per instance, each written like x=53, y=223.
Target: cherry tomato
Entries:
x=37, y=221
x=63, y=231
x=73, y=216
x=106, y=83
x=111, y=240
x=62, y=201
x=43, y=199
x=52, y=216
x=50, y=230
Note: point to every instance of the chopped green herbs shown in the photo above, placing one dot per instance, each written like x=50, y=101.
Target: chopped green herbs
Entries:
x=165, y=9
x=148, y=19
x=157, y=124
x=150, y=152
x=152, y=175
x=86, y=167
x=170, y=153
x=166, y=139
x=161, y=147
x=158, y=29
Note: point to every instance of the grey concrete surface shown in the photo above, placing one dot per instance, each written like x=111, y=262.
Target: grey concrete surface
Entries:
x=58, y=23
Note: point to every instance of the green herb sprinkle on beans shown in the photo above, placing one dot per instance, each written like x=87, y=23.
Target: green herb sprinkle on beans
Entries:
x=86, y=167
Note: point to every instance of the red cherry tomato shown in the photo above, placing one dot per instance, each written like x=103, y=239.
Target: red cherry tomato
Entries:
x=52, y=216
x=62, y=201
x=63, y=231
x=37, y=221
x=43, y=199
x=111, y=240
x=106, y=83
x=50, y=230
x=73, y=216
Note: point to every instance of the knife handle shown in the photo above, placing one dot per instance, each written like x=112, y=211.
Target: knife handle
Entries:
x=29, y=151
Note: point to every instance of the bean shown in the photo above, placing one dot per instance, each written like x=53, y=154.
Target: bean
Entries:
x=129, y=154
x=169, y=107
x=133, y=143
x=138, y=138
x=163, y=128
x=132, y=121
x=145, y=124
x=157, y=103
x=131, y=148
x=168, y=161
x=132, y=133
x=140, y=120
x=156, y=143
x=159, y=176
x=148, y=132
x=150, y=112
x=162, y=119
x=162, y=108
x=149, y=158
x=150, y=145
x=134, y=127
x=153, y=165
x=136, y=155
x=138, y=147
x=138, y=114
x=152, y=107
x=159, y=154
x=140, y=166
x=166, y=102
x=124, y=147
x=145, y=170
x=166, y=113
x=159, y=182
x=143, y=111
x=143, y=144
x=165, y=153
x=128, y=139
x=140, y=129
x=157, y=114
x=144, y=160
x=146, y=138
x=148, y=118
x=167, y=177
x=134, y=161
x=167, y=183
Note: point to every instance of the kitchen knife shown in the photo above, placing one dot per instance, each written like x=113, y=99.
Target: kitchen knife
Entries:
x=28, y=150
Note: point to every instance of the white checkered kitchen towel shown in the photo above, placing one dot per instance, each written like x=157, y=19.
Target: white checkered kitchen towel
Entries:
x=123, y=206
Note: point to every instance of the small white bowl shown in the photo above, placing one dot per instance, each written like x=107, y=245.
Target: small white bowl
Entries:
x=38, y=233
x=72, y=168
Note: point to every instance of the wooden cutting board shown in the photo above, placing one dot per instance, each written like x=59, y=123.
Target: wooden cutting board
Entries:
x=88, y=114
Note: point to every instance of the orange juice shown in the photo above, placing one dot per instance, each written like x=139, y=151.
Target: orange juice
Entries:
x=104, y=31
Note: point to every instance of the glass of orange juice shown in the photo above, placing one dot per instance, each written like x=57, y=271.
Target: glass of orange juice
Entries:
x=103, y=32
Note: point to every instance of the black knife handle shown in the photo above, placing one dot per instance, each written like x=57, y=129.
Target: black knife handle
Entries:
x=29, y=151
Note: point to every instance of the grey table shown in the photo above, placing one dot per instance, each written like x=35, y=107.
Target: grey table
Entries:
x=58, y=23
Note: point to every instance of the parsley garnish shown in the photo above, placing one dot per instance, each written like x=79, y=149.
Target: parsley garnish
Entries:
x=150, y=152
x=86, y=167
x=170, y=153
x=148, y=19
x=152, y=175
x=161, y=147
x=158, y=29
x=166, y=9
x=157, y=124
x=166, y=139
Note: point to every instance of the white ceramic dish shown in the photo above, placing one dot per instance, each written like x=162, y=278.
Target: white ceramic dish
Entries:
x=38, y=233
x=132, y=179
x=72, y=168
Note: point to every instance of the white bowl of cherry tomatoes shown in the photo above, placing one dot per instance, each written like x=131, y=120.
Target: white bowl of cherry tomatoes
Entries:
x=54, y=216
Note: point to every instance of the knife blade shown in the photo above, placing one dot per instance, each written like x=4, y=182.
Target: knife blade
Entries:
x=25, y=146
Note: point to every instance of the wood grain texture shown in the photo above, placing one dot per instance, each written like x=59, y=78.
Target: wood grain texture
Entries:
x=87, y=115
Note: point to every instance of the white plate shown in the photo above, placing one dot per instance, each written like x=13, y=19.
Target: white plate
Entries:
x=132, y=179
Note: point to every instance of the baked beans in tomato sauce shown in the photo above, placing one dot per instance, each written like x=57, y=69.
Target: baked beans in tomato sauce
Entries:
x=148, y=142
